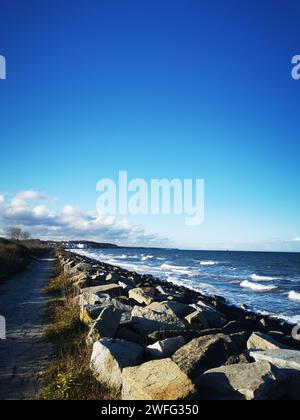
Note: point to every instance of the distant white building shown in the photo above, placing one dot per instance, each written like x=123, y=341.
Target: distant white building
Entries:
x=72, y=245
x=82, y=246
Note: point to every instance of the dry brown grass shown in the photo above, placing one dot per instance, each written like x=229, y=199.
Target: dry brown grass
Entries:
x=68, y=376
x=16, y=255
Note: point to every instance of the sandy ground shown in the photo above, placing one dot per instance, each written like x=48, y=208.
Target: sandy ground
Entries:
x=23, y=354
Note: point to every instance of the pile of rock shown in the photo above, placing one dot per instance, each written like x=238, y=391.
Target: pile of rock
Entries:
x=156, y=341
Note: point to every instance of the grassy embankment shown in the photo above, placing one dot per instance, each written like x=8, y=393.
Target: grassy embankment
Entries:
x=68, y=376
x=16, y=255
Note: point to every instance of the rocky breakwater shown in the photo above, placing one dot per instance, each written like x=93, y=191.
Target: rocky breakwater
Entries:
x=152, y=340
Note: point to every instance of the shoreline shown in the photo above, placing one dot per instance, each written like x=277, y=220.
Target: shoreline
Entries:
x=144, y=332
x=218, y=300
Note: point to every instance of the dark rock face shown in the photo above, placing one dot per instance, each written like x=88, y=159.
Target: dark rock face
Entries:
x=204, y=353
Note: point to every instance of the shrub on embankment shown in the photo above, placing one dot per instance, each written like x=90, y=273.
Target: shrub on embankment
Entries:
x=16, y=255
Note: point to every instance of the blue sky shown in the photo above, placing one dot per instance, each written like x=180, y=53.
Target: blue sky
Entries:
x=187, y=89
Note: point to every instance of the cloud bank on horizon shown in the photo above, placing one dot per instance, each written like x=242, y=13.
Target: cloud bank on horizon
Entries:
x=30, y=210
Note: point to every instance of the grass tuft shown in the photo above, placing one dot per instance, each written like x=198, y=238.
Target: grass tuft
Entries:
x=68, y=376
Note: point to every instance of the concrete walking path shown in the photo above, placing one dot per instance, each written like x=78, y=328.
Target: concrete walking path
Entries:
x=24, y=354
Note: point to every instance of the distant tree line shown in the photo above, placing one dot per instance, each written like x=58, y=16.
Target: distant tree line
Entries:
x=17, y=234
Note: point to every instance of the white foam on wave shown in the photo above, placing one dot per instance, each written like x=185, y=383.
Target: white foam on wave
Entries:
x=177, y=269
x=294, y=295
x=208, y=263
x=172, y=267
x=258, y=287
x=147, y=257
x=204, y=288
x=263, y=278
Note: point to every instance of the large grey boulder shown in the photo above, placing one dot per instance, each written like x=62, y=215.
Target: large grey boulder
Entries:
x=212, y=317
x=162, y=290
x=113, y=290
x=240, y=340
x=110, y=357
x=165, y=348
x=126, y=333
x=99, y=293
x=99, y=277
x=92, y=297
x=285, y=359
x=113, y=278
x=260, y=341
x=123, y=308
x=126, y=287
x=204, y=353
x=145, y=320
x=198, y=320
x=157, y=380
x=89, y=313
x=188, y=334
x=288, y=361
x=180, y=309
x=142, y=296
x=252, y=381
x=106, y=324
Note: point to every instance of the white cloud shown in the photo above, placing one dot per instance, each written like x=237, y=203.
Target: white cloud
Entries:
x=22, y=197
x=30, y=195
x=297, y=239
x=69, y=222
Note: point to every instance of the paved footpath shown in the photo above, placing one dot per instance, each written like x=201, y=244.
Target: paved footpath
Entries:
x=24, y=354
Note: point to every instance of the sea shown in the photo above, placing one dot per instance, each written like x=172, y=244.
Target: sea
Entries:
x=268, y=283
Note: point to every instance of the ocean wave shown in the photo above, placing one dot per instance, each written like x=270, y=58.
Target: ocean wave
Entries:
x=294, y=295
x=204, y=288
x=263, y=278
x=173, y=267
x=257, y=287
x=178, y=269
x=147, y=257
x=208, y=263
